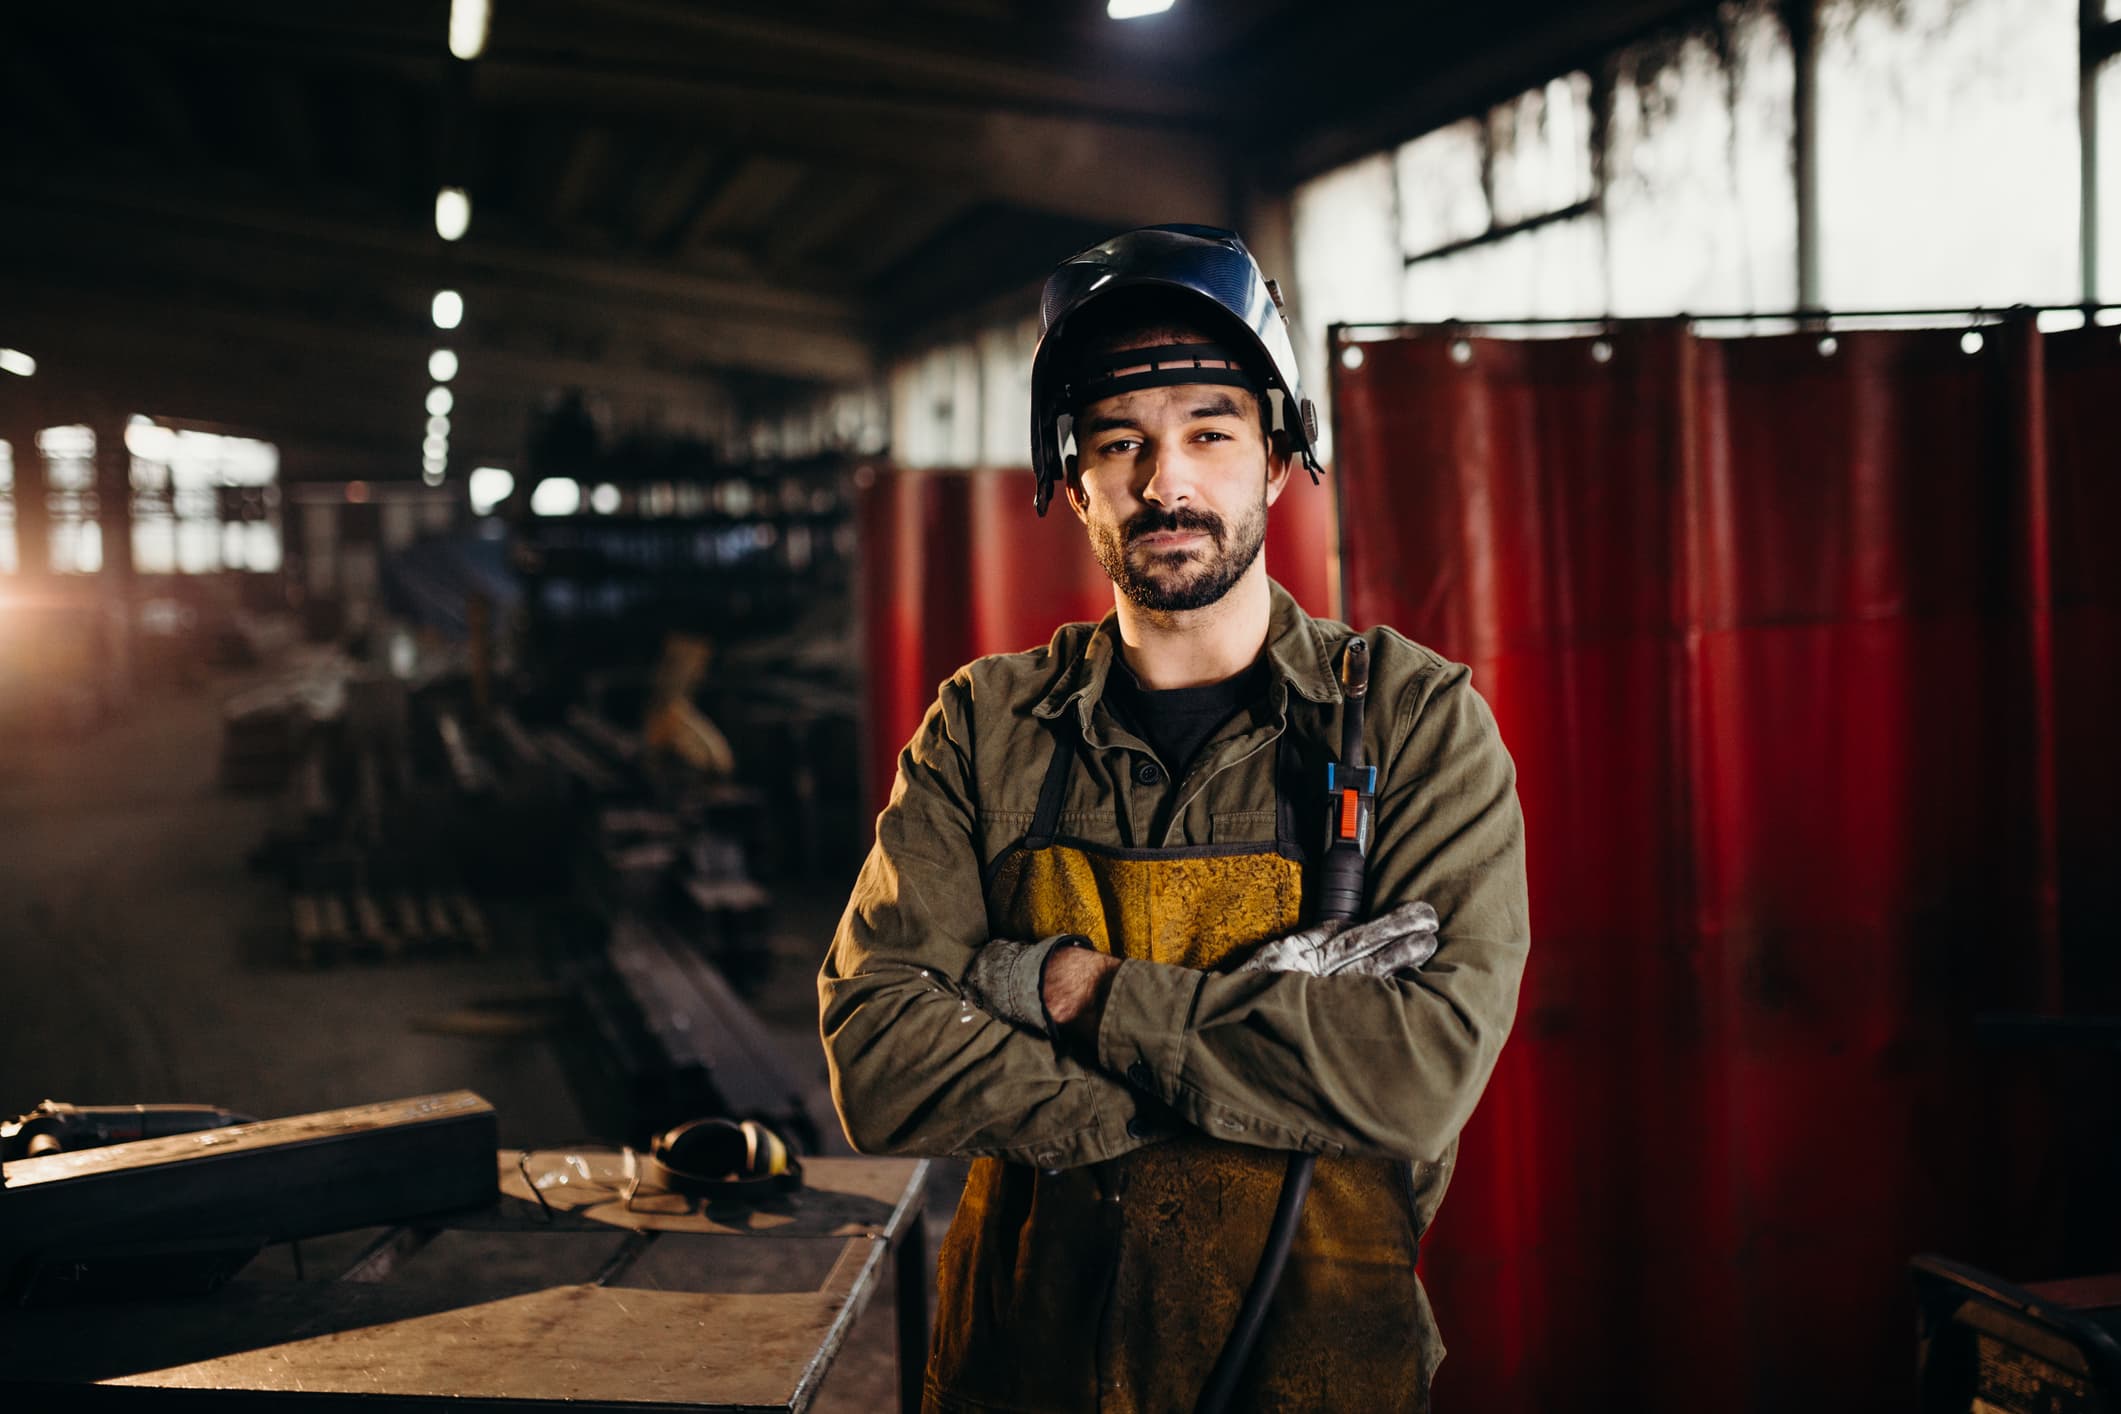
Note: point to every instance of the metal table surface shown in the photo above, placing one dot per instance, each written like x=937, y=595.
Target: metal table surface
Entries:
x=582, y=1300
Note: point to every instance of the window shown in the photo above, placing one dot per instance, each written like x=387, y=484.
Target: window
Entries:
x=70, y=499
x=8, y=562
x=935, y=408
x=1946, y=137
x=1948, y=153
x=1701, y=197
x=1005, y=393
x=2108, y=180
x=202, y=502
x=1547, y=272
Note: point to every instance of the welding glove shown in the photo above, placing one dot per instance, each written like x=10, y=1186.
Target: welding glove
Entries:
x=1397, y=941
x=1008, y=979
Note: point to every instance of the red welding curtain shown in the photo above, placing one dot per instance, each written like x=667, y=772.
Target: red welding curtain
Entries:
x=1806, y=656
x=956, y=564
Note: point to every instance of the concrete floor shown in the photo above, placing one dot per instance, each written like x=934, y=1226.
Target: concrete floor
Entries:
x=140, y=960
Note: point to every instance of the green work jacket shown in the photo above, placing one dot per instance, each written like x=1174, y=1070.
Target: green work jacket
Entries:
x=1331, y=1065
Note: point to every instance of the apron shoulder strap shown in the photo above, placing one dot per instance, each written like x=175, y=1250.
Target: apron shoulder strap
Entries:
x=1292, y=790
x=1045, y=822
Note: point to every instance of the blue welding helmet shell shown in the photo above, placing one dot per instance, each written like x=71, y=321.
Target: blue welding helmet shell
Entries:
x=1237, y=306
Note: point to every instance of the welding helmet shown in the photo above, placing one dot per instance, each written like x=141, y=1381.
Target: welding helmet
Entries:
x=1216, y=280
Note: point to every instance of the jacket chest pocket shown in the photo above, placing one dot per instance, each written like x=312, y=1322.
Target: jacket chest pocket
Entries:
x=1241, y=827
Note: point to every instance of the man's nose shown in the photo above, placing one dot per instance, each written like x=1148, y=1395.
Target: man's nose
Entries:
x=1169, y=483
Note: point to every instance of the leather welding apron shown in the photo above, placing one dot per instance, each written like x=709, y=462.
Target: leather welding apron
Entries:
x=1112, y=1287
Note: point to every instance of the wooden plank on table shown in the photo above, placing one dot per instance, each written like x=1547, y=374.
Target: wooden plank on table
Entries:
x=603, y=1347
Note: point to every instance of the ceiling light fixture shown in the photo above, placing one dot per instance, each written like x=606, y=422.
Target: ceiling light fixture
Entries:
x=438, y=426
x=556, y=496
x=452, y=213
x=489, y=486
x=468, y=23
x=18, y=363
x=440, y=401
x=1135, y=9
x=448, y=309
x=442, y=365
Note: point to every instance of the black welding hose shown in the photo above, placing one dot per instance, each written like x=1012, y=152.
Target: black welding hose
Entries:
x=1344, y=897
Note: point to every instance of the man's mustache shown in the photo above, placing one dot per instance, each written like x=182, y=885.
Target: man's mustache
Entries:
x=1154, y=521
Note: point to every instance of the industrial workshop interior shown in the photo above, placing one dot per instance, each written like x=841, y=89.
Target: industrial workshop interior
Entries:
x=850, y=705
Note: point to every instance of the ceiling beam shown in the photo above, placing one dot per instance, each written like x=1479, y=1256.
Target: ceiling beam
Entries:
x=1098, y=169
x=1014, y=60
x=103, y=209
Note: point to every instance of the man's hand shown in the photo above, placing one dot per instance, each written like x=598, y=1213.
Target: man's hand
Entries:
x=1076, y=984
x=1398, y=941
x=1043, y=986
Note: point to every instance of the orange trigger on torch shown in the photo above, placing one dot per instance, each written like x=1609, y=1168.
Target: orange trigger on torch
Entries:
x=1349, y=806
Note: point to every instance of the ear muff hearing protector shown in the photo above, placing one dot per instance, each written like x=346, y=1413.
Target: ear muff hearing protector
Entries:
x=716, y=1158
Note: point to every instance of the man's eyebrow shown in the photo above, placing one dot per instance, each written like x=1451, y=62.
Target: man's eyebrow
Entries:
x=1097, y=426
x=1221, y=405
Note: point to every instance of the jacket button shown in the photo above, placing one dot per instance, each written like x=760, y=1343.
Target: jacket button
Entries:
x=1139, y=1077
x=1140, y=1128
x=1148, y=773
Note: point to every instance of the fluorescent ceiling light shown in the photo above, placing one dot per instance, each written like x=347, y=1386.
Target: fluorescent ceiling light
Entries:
x=442, y=365
x=556, y=496
x=489, y=486
x=452, y=213
x=1135, y=9
x=448, y=309
x=468, y=21
x=440, y=401
x=17, y=362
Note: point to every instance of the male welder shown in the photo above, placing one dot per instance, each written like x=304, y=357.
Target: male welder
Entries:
x=1089, y=948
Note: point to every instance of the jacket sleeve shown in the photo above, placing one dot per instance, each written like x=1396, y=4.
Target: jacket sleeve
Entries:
x=915, y=1069
x=1362, y=1064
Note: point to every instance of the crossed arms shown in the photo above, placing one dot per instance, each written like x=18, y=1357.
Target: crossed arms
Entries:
x=1336, y=1064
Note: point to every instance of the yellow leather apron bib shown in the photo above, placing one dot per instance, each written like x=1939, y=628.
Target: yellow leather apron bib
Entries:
x=1112, y=1287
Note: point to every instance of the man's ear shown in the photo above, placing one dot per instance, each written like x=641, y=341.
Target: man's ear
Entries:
x=1072, y=481
x=1281, y=460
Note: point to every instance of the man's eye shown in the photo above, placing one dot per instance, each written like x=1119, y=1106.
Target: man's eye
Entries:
x=1212, y=435
x=1120, y=447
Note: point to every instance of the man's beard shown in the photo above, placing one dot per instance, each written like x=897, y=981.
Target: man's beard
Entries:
x=1171, y=581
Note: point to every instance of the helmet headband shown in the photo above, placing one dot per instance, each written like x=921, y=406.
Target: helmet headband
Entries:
x=1107, y=375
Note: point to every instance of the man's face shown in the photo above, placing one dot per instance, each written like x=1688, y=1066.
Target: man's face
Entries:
x=1174, y=485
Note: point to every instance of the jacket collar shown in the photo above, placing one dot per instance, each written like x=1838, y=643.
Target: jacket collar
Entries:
x=1295, y=646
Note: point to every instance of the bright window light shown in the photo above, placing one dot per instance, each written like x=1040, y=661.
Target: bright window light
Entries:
x=555, y=496
x=440, y=401
x=448, y=309
x=442, y=365
x=149, y=440
x=1135, y=9
x=489, y=486
x=17, y=362
x=452, y=213
x=468, y=20
x=604, y=500
x=438, y=426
